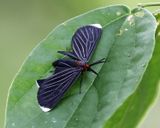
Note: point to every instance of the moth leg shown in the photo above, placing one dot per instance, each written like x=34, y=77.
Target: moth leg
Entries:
x=103, y=60
x=81, y=81
x=90, y=69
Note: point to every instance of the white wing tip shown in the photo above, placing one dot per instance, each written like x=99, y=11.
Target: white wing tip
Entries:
x=44, y=109
x=96, y=25
x=37, y=84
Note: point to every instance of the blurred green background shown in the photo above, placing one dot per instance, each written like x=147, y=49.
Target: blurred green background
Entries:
x=24, y=23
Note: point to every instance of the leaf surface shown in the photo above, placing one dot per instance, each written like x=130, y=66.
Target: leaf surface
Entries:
x=136, y=106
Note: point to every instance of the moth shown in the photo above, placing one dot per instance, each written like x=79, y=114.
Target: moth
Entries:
x=83, y=43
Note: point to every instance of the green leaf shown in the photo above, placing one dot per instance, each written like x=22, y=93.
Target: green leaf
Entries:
x=123, y=73
x=138, y=103
x=127, y=43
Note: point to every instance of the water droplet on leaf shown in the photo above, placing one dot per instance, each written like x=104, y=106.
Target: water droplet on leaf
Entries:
x=13, y=124
x=118, y=13
x=120, y=32
x=139, y=14
x=143, y=65
x=130, y=19
x=126, y=29
x=129, y=55
x=64, y=24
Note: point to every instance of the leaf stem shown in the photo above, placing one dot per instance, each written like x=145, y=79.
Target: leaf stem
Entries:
x=143, y=5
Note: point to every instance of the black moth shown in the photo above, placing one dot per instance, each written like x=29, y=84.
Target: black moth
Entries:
x=52, y=89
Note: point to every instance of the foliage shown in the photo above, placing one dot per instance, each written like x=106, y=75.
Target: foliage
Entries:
x=127, y=43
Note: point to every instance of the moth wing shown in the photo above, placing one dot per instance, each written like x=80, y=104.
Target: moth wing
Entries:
x=84, y=41
x=52, y=89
